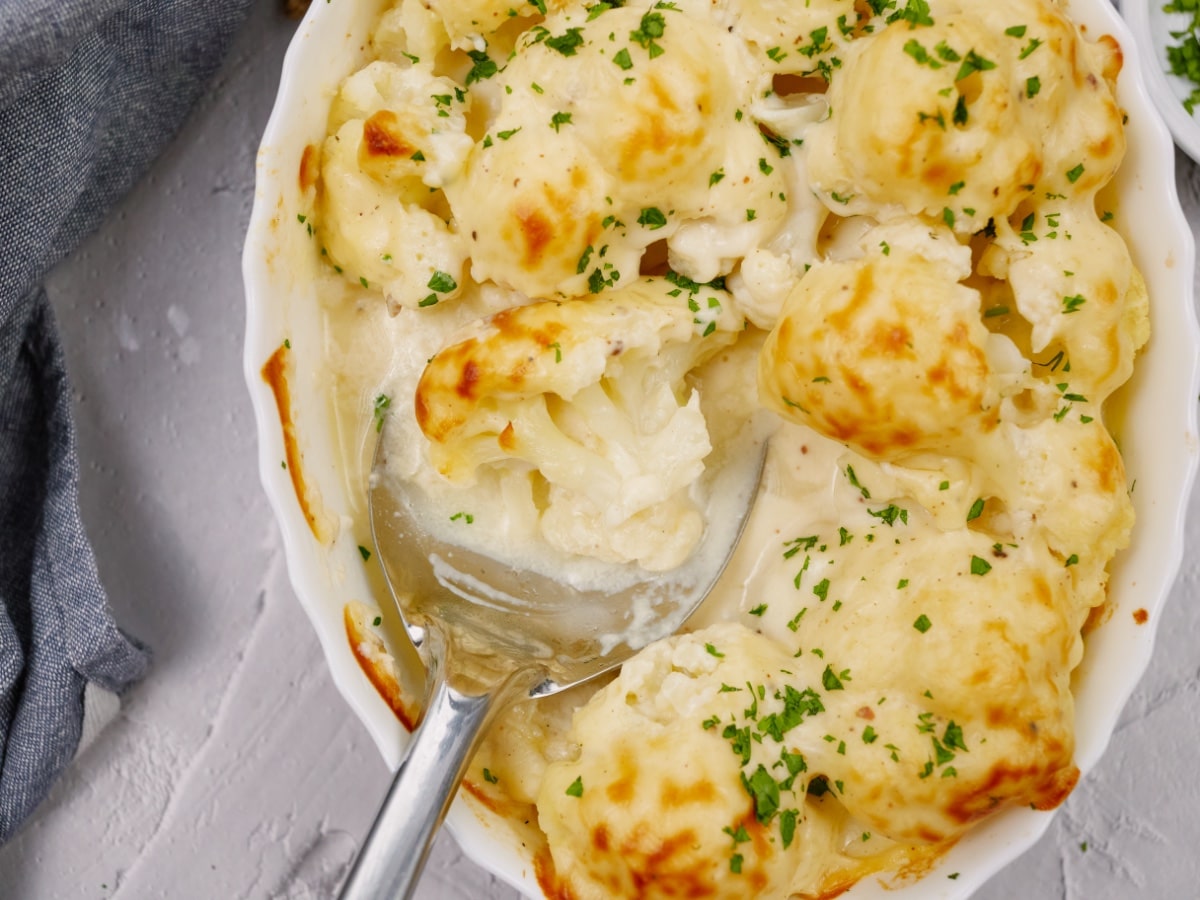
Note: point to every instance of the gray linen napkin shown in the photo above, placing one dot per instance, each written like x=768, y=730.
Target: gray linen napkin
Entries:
x=90, y=92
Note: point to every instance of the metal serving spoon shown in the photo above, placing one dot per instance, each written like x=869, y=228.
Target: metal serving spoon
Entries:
x=489, y=634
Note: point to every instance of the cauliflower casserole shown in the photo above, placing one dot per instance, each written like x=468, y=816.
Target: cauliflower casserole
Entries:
x=573, y=247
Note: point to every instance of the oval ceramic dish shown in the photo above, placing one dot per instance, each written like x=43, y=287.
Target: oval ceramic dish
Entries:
x=1158, y=433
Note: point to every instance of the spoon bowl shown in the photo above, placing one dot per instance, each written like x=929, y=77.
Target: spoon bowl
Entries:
x=490, y=634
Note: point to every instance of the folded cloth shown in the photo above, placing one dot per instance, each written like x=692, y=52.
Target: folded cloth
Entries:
x=90, y=92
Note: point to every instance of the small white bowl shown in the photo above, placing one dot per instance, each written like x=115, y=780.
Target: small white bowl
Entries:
x=1158, y=438
x=1151, y=29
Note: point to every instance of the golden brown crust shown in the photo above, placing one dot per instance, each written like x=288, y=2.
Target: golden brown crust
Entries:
x=277, y=372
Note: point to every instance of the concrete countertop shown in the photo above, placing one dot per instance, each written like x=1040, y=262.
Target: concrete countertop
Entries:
x=235, y=770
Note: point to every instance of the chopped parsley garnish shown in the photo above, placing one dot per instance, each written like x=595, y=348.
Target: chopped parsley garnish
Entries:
x=1073, y=174
x=890, y=514
x=442, y=282
x=917, y=51
x=764, y=790
x=483, y=66
x=915, y=12
x=971, y=64
x=490, y=778
x=382, y=402
x=567, y=44
x=505, y=135
x=713, y=651
x=576, y=787
x=960, y=111
x=364, y=552
x=649, y=30
x=976, y=509
x=622, y=59
x=1072, y=304
x=832, y=681
x=922, y=624
x=464, y=516
x=853, y=479
x=652, y=217
x=980, y=566
x=1032, y=86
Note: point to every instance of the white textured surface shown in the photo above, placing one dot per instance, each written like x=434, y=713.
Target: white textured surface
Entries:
x=236, y=770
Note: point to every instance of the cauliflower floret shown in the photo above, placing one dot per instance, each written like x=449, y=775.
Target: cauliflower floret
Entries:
x=887, y=353
x=1075, y=285
x=942, y=662
x=600, y=147
x=655, y=802
x=984, y=114
x=392, y=144
x=592, y=395
x=1065, y=481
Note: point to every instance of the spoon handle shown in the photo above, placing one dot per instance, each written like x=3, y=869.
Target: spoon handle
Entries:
x=394, y=853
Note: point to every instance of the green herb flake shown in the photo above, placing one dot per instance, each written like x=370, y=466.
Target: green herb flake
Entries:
x=382, y=402
x=364, y=552
x=973, y=63
x=960, y=116
x=980, y=566
x=922, y=624
x=567, y=44
x=576, y=787
x=1072, y=304
x=787, y=826
x=482, y=68
x=713, y=651
x=652, y=217
x=1033, y=44
x=492, y=779
x=832, y=681
x=442, y=282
